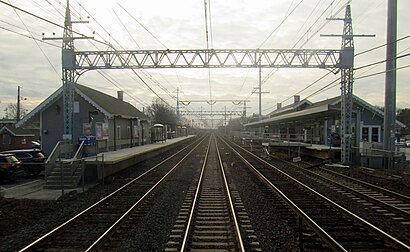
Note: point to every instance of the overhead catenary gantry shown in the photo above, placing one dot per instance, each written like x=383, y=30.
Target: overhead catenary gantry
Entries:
x=212, y=58
x=212, y=113
x=74, y=63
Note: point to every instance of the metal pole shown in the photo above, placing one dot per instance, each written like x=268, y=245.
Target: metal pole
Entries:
x=103, y=172
x=62, y=176
x=115, y=135
x=83, y=172
x=18, y=103
x=390, y=82
x=260, y=91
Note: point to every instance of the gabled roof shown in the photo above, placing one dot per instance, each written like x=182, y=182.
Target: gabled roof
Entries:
x=289, y=108
x=108, y=105
x=319, y=107
x=16, y=132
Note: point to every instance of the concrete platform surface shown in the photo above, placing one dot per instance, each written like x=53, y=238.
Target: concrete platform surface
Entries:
x=33, y=190
x=117, y=156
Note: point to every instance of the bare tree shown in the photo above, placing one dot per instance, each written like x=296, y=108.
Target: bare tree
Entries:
x=11, y=111
x=160, y=112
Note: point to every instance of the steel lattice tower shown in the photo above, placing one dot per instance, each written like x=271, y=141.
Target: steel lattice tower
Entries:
x=347, y=87
x=68, y=65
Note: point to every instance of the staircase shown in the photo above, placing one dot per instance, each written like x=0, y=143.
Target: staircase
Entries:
x=63, y=173
x=66, y=173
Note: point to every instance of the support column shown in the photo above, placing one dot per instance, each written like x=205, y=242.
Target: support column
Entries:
x=347, y=87
x=68, y=64
x=390, y=84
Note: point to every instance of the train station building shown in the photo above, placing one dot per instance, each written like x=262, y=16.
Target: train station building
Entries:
x=99, y=119
x=319, y=123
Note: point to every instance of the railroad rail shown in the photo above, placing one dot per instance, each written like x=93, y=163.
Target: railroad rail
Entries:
x=394, y=201
x=338, y=229
x=382, y=203
x=208, y=219
x=89, y=229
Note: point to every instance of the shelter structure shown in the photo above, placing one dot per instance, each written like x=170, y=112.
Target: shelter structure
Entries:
x=320, y=123
x=99, y=120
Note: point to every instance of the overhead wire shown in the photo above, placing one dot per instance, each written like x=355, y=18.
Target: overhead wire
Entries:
x=104, y=75
x=141, y=25
x=333, y=84
x=274, y=71
x=147, y=74
x=38, y=45
x=133, y=70
x=25, y=35
x=280, y=24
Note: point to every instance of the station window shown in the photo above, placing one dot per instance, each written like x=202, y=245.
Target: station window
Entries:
x=6, y=139
x=118, y=132
x=371, y=134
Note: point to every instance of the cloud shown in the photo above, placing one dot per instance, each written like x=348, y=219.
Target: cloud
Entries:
x=181, y=25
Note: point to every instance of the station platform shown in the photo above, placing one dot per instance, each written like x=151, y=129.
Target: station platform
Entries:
x=314, y=150
x=108, y=163
x=96, y=168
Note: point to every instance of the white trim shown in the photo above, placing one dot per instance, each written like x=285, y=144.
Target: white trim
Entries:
x=40, y=107
x=14, y=134
x=370, y=133
x=88, y=99
x=304, y=112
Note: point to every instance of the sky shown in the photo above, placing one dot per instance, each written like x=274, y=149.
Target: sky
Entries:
x=35, y=65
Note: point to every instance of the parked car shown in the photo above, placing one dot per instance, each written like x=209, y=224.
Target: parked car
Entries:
x=33, y=160
x=35, y=144
x=10, y=167
x=399, y=143
x=407, y=143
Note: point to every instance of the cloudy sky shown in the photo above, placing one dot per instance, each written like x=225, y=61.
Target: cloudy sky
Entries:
x=159, y=24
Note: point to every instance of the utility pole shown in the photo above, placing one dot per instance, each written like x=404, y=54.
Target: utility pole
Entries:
x=69, y=72
x=178, y=103
x=390, y=84
x=346, y=83
x=260, y=90
x=244, y=109
x=18, y=103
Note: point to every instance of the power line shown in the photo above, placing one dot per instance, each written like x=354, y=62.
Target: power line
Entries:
x=41, y=49
x=370, y=75
x=380, y=46
x=280, y=24
x=30, y=37
x=115, y=83
x=133, y=70
x=382, y=61
x=46, y=20
x=147, y=74
x=141, y=25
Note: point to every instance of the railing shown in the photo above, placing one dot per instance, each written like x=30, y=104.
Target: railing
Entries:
x=374, y=151
x=62, y=148
x=77, y=159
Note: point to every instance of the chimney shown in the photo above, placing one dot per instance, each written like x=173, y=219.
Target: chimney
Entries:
x=296, y=98
x=278, y=105
x=120, y=95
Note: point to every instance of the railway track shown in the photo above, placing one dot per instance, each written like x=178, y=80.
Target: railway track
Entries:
x=383, y=200
x=212, y=217
x=387, y=208
x=88, y=230
x=323, y=224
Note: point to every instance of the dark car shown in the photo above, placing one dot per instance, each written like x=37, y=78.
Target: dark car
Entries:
x=33, y=160
x=10, y=167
